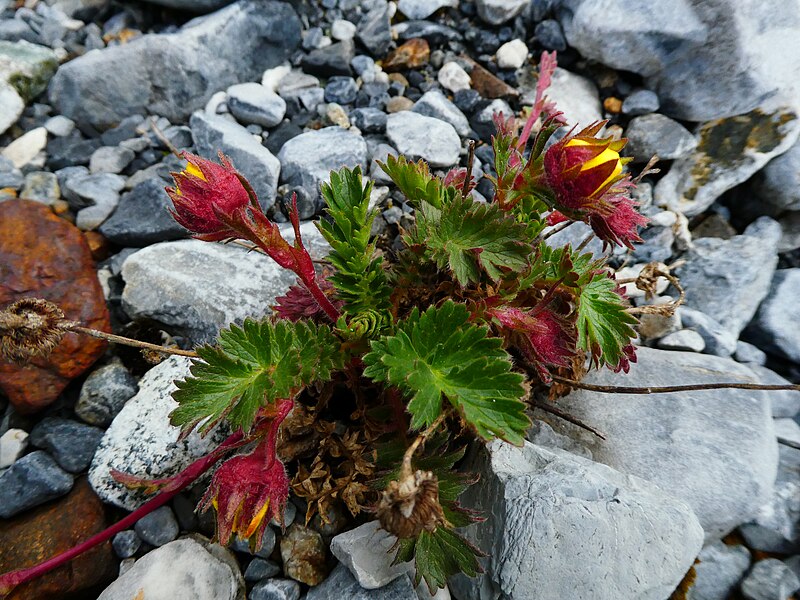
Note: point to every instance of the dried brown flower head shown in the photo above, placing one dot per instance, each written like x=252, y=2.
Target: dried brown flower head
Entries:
x=411, y=505
x=30, y=327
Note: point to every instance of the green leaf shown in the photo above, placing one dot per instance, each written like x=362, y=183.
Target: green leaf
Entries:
x=253, y=366
x=360, y=280
x=468, y=236
x=441, y=554
x=604, y=328
x=416, y=182
x=441, y=354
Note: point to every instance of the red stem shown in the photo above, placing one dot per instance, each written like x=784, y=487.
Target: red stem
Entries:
x=181, y=481
x=323, y=301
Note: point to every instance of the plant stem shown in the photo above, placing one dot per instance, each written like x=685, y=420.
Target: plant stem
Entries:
x=616, y=389
x=324, y=303
x=567, y=417
x=14, y=578
x=406, y=468
x=557, y=229
x=128, y=341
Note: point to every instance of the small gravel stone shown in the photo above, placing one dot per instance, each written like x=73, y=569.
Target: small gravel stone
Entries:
x=159, y=527
x=512, y=55
x=342, y=90
x=719, y=571
x=399, y=104
x=126, y=543
x=303, y=554
x=453, y=77
x=435, y=104
x=641, y=102
x=331, y=60
x=23, y=150
x=12, y=444
x=418, y=136
x=41, y=186
x=32, y=480
x=497, y=12
x=275, y=589
x=341, y=584
x=259, y=569
x=11, y=105
x=267, y=545
x=550, y=35
x=104, y=393
x=369, y=120
x=483, y=120
x=656, y=134
x=769, y=579
x=59, y=126
x=374, y=29
x=72, y=444
x=748, y=353
x=254, y=103
x=422, y=9
x=366, y=552
x=110, y=159
x=362, y=64
x=685, y=339
x=343, y=30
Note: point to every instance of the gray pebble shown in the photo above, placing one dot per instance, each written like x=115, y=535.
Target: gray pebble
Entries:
x=276, y=589
x=259, y=569
x=104, y=393
x=72, y=444
x=32, y=480
x=159, y=527
x=126, y=543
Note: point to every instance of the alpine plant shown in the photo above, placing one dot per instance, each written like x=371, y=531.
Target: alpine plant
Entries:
x=380, y=364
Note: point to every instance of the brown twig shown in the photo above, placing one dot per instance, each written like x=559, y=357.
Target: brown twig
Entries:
x=160, y=135
x=118, y=339
x=569, y=418
x=470, y=163
x=584, y=243
x=668, y=389
x=557, y=229
x=406, y=468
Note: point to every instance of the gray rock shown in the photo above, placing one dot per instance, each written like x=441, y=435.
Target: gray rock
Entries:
x=96, y=190
x=550, y=35
x=685, y=339
x=253, y=103
x=142, y=442
x=422, y=9
x=104, y=393
x=716, y=450
x=32, y=480
x=695, y=182
x=276, y=589
x=435, y=104
x=417, y=136
x=197, y=287
x=27, y=67
x=181, y=570
x=341, y=584
x=748, y=353
x=705, y=60
x=541, y=434
x=126, y=543
x=641, y=102
x=435, y=33
x=259, y=569
x=264, y=551
x=367, y=552
x=59, y=126
x=10, y=176
x=730, y=278
x=330, y=60
x=719, y=340
x=341, y=90
x=770, y=329
x=496, y=12
x=776, y=527
x=158, y=528
x=657, y=135
x=213, y=134
x=784, y=403
x=547, y=508
x=342, y=29
x=175, y=74
x=374, y=29
x=719, y=571
x=308, y=159
x=42, y=187
x=200, y=6
x=110, y=159
x=777, y=185
x=769, y=579
x=369, y=120
x=11, y=106
x=72, y=444
x=142, y=217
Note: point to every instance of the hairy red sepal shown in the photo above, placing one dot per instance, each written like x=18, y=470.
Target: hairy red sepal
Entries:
x=299, y=304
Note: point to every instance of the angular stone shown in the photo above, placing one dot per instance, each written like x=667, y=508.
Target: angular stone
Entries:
x=729, y=151
x=548, y=508
x=276, y=589
x=23, y=150
x=367, y=552
x=417, y=136
x=181, y=570
x=27, y=67
x=374, y=29
x=308, y=159
x=777, y=185
x=72, y=444
x=174, y=74
x=44, y=256
x=496, y=12
x=435, y=104
x=716, y=450
x=303, y=554
x=769, y=579
x=213, y=134
x=488, y=85
x=126, y=543
x=719, y=571
x=330, y=60
x=12, y=444
x=657, y=135
x=159, y=527
x=11, y=106
x=730, y=278
x=42, y=187
x=411, y=55
x=341, y=584
x=718, y=340
x=104, y=393
x=142, y=442
x=641, y=102
x=32, y=480
x=683, y=340
x=769, y=328
x=422, y=9
x=49, y=530
x=254, y=103
x=453, y=77
x=142, y=217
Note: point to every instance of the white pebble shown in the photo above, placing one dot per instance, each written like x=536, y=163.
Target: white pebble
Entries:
x=25, y=148
x=453, y=77
x=512, y=55
x=342, y=29
x=12, y=444
x=272, y=77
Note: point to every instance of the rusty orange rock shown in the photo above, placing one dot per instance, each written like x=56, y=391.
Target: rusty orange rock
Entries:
x=414, y=54
x=43, y=256
x=51, y=529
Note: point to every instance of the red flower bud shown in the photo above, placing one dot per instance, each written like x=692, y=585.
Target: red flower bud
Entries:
x=205, y=193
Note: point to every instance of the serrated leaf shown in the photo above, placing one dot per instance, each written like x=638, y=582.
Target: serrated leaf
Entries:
x=440, y=354
x=442, y=553
x=253, y=366
x=416, y=182
x=604, y=328
x=360, y=280
x=470, y=237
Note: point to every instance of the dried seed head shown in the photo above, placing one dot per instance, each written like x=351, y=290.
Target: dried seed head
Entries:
x=648, y=277
x=29, y=328
x=411, y=505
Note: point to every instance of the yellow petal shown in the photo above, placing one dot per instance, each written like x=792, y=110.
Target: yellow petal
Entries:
x=193, y=170
x=251, y=529
x=605, y=156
